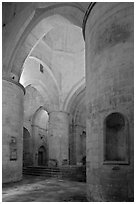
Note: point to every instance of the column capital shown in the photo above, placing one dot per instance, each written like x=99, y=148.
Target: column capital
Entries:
x=90, y=7
x=14, y=82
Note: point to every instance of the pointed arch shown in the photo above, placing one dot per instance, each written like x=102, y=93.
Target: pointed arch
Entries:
x=17, y=51
x=75, y=91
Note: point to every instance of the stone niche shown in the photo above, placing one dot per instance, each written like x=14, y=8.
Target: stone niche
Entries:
x=116, y=139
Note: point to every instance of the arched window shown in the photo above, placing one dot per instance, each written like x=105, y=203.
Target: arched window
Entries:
x=116, y=139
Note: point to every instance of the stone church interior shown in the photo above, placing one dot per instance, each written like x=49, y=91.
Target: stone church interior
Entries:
x=68, y=97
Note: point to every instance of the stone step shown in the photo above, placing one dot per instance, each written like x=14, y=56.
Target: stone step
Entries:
x=44, y=170
x=52, y=171
x=37, y=174
x=75, y=173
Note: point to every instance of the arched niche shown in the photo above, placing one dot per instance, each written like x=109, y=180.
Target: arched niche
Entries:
x=116, y=138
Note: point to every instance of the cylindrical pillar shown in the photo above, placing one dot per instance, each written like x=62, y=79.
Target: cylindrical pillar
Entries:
x=72, y=144
x=12, y=130
x=109, y=52
x=58, y=136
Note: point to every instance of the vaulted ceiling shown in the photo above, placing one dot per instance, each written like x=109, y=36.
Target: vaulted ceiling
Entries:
x=60, y=54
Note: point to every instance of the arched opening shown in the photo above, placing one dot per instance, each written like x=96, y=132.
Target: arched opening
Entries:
x=49, y=62
x=42, y=156
x=40, y=137
x=41, y=24
x=26, y=148
x=41, y=118
x=55, y=67
x=116, y=138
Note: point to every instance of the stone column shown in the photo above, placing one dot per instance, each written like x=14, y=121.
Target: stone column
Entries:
x=108, y=32
x=58, y=136
x=72, y=144
x=12, y=130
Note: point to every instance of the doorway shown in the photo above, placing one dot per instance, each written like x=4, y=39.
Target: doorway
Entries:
x=42, y=156
x=27, y=160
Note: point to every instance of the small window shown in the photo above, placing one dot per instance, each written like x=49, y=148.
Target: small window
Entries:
x=116, y=139
x=41, y=68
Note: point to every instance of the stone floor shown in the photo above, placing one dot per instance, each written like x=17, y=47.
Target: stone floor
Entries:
x=40, y=189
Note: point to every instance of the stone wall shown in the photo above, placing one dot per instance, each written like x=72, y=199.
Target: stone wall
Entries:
x=110, y=71
x=12, y=131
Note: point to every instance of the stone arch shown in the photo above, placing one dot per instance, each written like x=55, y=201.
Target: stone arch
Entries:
x=75, y=91
x=40, y=135
x=26, y=126
x=34, y=82
x=38, y=85
x=17, y=54
x=26, y=132
x=52, y=102
x=38, y=111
